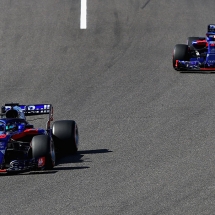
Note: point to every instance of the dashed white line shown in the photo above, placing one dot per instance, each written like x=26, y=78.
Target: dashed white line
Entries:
x=83, y=17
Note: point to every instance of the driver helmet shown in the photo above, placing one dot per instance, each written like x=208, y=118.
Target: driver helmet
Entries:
x=15, y=112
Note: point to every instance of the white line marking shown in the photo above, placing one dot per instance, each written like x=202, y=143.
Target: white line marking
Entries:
x=83, y=18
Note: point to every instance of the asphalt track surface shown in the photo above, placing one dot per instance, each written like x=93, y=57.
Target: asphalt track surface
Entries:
x=147, y=140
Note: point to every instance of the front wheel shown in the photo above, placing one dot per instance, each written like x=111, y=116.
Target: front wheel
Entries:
x=43, y=150
x=180, y=53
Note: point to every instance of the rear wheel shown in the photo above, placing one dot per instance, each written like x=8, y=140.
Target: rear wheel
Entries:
x=180, y=53
x=42, y=147
x=65, y=136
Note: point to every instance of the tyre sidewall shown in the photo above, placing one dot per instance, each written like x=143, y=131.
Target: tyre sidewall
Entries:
x=42, y=146
x=180, y=53
x=65, y=136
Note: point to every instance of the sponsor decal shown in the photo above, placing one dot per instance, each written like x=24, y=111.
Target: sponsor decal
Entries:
x=211, y=61
x=41, y=162
x=3, y=145
x=33, y=108
x=2, y=151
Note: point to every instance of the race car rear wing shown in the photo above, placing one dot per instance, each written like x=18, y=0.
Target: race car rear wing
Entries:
x=32, y=110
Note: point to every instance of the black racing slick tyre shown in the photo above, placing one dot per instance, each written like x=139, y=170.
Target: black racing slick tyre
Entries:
x=42, y=146
x=180, y=53
x=190, y=40
x=65, y=136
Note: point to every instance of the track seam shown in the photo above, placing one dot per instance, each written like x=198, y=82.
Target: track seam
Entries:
x=145, y=4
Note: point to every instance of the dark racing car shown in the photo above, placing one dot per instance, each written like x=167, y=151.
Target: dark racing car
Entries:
x=25, y=148
x=198, y=54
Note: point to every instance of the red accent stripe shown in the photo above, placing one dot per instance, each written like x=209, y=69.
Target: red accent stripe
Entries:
x=3, y=170
x=208, y=69
x=25, y=133
x=202, y=42
x=31, y=131
x=3, y=135
x=17, y=136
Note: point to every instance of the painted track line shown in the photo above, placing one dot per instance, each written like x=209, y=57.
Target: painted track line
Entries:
x=83, y=17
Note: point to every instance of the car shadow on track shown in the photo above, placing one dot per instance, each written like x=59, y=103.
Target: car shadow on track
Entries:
x=65, y=159
x=76, y=158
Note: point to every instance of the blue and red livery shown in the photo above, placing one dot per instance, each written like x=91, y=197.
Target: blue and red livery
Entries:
x=198, y=54
x=25, y=148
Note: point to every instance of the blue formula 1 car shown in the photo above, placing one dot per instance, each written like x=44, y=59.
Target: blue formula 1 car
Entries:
x=198, y=54
x=25, y=148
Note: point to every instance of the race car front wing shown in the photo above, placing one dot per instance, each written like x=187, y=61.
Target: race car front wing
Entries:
x=193, y=66
x=20, y=166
